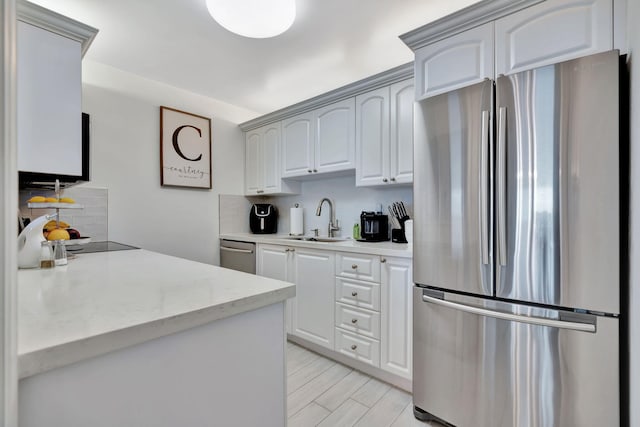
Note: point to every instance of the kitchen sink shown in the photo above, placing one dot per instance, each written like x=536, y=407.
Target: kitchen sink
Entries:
x=317, y=239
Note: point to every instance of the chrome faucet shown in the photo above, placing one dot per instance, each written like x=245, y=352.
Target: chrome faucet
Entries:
x=333, y=223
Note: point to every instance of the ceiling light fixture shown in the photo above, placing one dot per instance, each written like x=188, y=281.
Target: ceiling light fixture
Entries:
x=254, y=18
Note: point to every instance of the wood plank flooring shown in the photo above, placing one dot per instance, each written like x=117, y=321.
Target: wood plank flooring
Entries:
x=324, y=393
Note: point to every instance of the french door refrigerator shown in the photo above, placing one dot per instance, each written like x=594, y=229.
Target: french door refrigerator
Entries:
x=516, y=250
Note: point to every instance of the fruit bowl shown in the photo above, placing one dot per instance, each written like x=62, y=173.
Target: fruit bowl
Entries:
x=80, y=241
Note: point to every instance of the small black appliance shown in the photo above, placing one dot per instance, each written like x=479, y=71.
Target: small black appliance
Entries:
x=374, y=227
x=263, y=219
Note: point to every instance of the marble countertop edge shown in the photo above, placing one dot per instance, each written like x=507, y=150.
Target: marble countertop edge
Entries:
x=44, y=359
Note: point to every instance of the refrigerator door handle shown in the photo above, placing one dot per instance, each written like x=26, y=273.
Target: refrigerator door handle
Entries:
x=502, y=186
x=562, y=324
x=484, y=183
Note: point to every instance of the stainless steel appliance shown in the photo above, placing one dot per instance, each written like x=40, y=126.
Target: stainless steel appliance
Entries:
x=263, y=219
x=374, y=227
x=239, y=256
x=516, y=250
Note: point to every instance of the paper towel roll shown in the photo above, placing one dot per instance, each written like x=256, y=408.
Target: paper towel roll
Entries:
x=296, y=223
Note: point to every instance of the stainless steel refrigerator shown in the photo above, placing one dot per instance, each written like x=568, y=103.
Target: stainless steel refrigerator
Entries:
x=516, y=250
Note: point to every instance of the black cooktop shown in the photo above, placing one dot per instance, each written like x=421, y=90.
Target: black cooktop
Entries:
x=91, y=247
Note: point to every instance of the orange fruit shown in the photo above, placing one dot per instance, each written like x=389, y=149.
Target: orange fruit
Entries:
x=58, y=234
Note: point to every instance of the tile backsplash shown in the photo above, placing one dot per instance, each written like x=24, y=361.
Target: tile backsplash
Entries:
x=90, y=221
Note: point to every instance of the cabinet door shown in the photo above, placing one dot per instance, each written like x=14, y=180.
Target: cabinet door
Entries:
x=253, y=162
x=396, y=316
x=372, y=137
x=335, y=137
x=271, y=158
x=298, y=145
x=402, y=95
x=313, y=309
x=553, y=31
x=49, y=91
x=458, y=61
x=275, y=262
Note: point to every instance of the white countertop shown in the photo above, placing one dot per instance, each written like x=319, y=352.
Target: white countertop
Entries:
x=102, y=302
x=402, y=250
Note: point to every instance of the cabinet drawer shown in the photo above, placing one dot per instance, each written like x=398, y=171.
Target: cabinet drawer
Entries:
x=364, y=349
x=358, y=266
x=358, y=320
x=358, y=293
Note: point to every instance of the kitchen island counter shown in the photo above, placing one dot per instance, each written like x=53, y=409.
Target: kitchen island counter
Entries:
x=148, y=339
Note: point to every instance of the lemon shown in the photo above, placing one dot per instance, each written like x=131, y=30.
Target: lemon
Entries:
x=58, y=234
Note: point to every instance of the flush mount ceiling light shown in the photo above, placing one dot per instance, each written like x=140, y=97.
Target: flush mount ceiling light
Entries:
x=254, y=18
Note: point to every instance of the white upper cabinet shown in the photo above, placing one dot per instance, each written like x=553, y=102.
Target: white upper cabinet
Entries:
x=401, y=132
x=455, y=62
x=551, y=32
x=253, y=162
x=262, y=162
x=298, y=145
x=384, y=135
x=372, y=136
x=49, y=91
x=319, y=141
x=335, y=137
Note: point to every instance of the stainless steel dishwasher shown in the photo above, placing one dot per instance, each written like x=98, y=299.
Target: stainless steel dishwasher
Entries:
x=239, y=256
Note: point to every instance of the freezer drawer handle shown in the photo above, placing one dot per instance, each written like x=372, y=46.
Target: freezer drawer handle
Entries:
x=242, y=251
x=576, y=326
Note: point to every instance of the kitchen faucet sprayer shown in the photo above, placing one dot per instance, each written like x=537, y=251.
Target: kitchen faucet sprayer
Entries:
x=333, y=223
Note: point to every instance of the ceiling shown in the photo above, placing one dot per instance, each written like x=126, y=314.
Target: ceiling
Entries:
x=331, y=43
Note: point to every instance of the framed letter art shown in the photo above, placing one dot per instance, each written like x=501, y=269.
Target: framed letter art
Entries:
x=185, y=149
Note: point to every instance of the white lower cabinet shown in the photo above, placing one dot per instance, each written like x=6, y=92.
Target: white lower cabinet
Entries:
x=358, y=305
x=396, y=314
x=276, y=262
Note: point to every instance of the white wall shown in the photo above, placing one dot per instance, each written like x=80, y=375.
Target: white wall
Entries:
x=125, y=146
x=633, y=16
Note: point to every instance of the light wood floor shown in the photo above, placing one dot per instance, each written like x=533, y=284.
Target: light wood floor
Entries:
x=324, y=393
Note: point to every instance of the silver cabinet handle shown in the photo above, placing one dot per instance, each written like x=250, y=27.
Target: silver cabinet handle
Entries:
x=354, y=294
x=354, y=266
x=353, y=347
x=289, y=250
x=576, y=326
x=502, y=186
x=259, y=191
x=354, y=321
x=484, y=183
x=242, y=251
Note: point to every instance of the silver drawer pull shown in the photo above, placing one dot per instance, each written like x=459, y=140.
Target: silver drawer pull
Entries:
x=354, y=266
x=354, y=294
x=353, y=347
x=354, y=320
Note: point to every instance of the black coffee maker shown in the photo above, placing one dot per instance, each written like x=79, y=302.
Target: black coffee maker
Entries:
x=263, y=219
x=374, y=227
